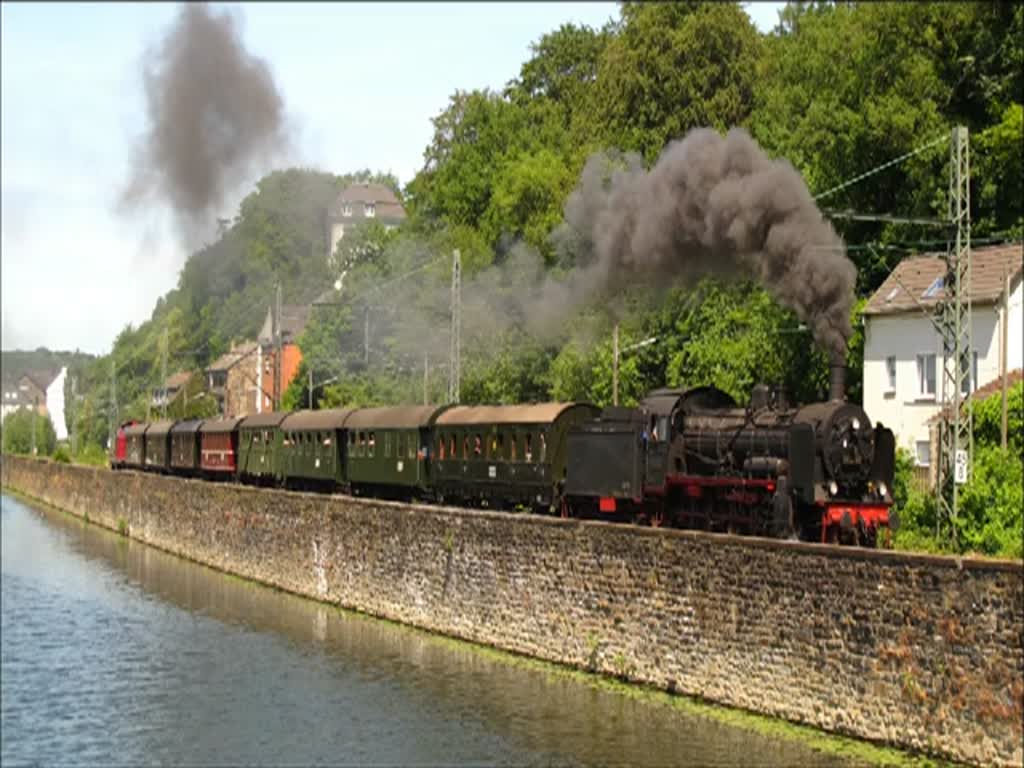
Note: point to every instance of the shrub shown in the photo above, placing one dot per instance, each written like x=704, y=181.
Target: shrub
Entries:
x=989, y=518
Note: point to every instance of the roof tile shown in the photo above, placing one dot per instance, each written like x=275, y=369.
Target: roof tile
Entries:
x=917, y=280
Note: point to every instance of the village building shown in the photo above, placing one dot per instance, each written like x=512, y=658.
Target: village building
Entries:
x=293, y=322
x=232, y=380
x=166, y=394
x=903, y=351
x=42, y=390
x=358, y=203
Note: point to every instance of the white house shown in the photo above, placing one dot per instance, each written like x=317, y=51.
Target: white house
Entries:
x=42, y=390
x=55, y=403
x=361, y=202
x=903, y=357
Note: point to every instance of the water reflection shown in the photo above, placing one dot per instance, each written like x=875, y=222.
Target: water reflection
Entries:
x=113, y=652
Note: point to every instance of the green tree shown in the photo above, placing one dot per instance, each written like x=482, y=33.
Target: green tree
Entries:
x=848, y=87
x=527, y=200
x=472, y=140
x=17, y=433
x=670, y=68
x=988, y=420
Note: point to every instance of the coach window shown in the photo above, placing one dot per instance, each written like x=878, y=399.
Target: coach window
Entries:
x=512, y=447
x=451, y=445
x=528, y=448
x=543, y=447
x=500, y=455
x=411, y=444
x=477, y=447
x=440, y=447
x=371, y=441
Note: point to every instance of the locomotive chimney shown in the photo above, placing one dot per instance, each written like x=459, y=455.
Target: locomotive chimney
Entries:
x=837, y=379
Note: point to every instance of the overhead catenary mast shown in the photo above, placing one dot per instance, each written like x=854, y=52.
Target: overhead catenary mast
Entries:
x=954, y=319
x=455, y=343
x=276, y=350
x=113, y=401
x=163, y=377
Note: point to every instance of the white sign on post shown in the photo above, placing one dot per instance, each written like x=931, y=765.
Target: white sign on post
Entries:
x=960, y=468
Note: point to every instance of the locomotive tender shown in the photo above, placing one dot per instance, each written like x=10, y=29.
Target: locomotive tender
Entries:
x=685, y=458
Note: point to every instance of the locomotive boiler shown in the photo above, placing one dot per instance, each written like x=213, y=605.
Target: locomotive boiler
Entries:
x=695, y=458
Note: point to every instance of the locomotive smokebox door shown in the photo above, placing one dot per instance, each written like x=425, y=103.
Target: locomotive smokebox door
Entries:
x=606, y=456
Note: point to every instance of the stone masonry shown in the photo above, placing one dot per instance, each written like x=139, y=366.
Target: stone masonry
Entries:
x=919, y=651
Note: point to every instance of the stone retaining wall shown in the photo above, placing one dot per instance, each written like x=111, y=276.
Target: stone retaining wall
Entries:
x=922, y=652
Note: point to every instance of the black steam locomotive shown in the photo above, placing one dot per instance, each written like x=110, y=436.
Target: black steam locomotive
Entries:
x=697, y=459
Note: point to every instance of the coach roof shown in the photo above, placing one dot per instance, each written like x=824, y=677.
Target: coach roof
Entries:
x=216, y=426
x=397, y=417
x=330, y=418
x=136, y=429
x=539, y=413
x=187, y=426
x=159, y=428
x=268, y=419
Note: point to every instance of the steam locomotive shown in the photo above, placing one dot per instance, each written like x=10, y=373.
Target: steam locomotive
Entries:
x=697, y=459
x=692, y=458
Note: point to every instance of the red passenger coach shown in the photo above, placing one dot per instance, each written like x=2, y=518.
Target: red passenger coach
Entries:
x=218, y=447
x=120, y=453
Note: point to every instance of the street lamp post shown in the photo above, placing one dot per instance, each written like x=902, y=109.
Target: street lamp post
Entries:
x=321, y=384
x=617, y=354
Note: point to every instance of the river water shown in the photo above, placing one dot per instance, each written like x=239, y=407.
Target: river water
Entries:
x=114, y=653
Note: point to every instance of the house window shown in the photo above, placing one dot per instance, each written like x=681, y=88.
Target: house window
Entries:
x=346, y=210
x=926, y=375
x=890, y=373
x=923, y=453
x=369, y=210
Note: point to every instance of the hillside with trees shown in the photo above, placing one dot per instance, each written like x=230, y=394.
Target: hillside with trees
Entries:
x=837, y=89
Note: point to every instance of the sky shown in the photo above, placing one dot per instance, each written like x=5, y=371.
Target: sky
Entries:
x=360, y=82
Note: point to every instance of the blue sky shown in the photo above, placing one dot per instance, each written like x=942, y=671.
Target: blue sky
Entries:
x=360, y=83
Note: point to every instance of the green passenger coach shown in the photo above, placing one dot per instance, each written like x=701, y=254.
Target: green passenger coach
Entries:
x=388, y=449
x=504, y=455
x=313, y=448
x=259, y=447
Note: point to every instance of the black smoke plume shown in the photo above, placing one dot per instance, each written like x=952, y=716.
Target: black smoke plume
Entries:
x=711, y=205
x=214, y=114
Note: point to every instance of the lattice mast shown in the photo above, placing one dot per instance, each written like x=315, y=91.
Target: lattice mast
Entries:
x=954, y=318
x=113, y=403
x=276, y=334
x=455, y=344
x=163, y=376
